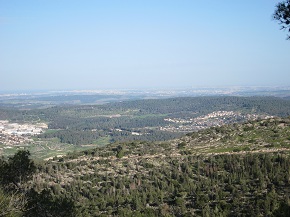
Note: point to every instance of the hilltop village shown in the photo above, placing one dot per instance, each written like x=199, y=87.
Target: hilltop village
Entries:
x=217, y=118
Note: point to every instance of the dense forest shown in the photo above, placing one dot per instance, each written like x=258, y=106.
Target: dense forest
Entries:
x=233, y=170
x=199, y=105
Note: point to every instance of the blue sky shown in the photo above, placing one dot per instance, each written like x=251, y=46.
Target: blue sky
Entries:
x=60, y=45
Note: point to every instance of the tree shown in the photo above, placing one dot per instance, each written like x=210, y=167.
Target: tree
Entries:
x=11, y=203
x=17, y=170
x=120, y=152
x=282, y=14
x=13, y=173
x=44, y=204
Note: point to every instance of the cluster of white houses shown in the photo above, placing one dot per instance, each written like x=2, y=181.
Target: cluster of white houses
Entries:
x=216, y=118
x=15, y=133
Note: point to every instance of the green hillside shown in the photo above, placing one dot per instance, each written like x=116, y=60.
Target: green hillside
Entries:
x=234, y=170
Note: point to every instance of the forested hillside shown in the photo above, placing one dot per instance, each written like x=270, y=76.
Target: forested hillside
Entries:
x=233, y=170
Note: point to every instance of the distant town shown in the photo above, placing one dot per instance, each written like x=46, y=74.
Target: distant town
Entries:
x=217, y=118
x=12, y=134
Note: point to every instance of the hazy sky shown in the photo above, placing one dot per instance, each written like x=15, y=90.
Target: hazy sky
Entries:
x=59, y=44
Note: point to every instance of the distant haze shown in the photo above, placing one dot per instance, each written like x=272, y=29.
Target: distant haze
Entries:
x=58, y=45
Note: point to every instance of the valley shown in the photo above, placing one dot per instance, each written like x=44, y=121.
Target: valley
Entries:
x=50, y=132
